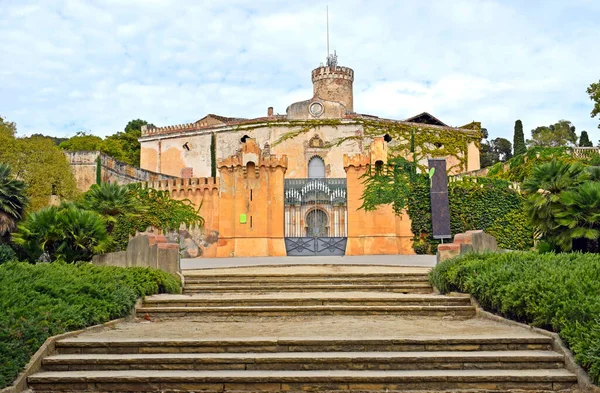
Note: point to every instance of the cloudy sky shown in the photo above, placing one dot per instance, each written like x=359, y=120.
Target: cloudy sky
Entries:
x=94, y=65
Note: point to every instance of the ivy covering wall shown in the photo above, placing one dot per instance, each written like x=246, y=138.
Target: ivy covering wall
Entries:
x=414, y=140
x=475, y=203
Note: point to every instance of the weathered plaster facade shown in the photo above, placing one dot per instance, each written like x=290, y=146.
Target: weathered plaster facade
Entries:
x=244, y=205
x=84, y=165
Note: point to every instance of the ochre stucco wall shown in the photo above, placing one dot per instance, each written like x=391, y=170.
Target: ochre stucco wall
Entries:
x=379, y=231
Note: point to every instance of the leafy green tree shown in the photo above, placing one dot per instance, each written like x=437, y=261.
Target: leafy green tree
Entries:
x=12, y=201
x=496, y=150
x=584, y=140
x=123, y=145
x=64, y=233
x=39, y=163
x=82, y=141
x=594, y=93
x=128, y=141
x=519, y=139
x=559, y=134
x=56, y=140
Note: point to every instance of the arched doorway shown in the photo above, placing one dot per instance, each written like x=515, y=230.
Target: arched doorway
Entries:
x=315, y=214
x=316, y=223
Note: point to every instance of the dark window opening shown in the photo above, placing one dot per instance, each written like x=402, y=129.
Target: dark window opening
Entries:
x=243, y=139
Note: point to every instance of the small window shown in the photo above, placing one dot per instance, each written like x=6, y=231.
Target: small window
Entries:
x=316, y=167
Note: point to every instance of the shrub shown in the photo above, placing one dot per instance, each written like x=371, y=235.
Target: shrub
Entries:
x=62, y=233
x=558, y=292
x=39, y=301
x=6, y=254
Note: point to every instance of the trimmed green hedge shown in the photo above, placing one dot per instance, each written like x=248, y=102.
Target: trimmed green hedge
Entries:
x=39, y=301
x=557, y=292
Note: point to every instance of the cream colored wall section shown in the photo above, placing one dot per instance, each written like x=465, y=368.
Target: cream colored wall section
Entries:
x=174, y=157
x=229, y=142
x=149, y=156
x=473, y=162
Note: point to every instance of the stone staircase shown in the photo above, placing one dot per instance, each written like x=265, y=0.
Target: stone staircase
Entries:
x=270, y=332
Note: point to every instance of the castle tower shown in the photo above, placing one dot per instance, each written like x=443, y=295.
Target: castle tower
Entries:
x=334, y=83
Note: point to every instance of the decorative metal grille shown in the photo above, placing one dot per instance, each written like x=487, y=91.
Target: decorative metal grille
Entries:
x=315, y=216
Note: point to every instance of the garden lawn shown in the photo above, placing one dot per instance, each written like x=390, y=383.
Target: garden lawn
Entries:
x=39, y=301
x=557, y=292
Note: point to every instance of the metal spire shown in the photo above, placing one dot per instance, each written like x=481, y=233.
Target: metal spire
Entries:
x=331, y=59
x=327, y=11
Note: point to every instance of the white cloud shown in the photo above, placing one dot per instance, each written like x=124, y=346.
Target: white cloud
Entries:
x=97, y=64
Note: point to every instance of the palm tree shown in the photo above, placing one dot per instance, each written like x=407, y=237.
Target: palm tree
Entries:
x=543, y=190
x=62, y=233
x=579, y=218
x=13, y=200
x=112, y=201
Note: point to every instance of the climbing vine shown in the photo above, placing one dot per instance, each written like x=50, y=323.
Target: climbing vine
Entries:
x=475, y=203
x=417, y=141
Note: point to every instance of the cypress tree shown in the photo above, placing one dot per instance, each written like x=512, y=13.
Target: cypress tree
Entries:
x=98, y=170
x=519, y=139
x=213, y=155
x=584, y=140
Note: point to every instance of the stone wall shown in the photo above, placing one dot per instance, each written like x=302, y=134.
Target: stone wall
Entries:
x=203, y=192
x=144, y=250
x=373, y=232
x=84, y=168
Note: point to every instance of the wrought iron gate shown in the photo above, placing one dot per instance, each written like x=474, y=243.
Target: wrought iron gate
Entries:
x=315, y=216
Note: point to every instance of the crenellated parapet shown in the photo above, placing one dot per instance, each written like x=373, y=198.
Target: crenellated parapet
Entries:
x=188, y=184
x=149, y=130
x=252, y=155
x=378, y=151
x=356, y=161
x=332, y=73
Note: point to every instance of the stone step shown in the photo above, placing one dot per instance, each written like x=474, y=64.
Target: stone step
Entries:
x=259, y=280
x=437, y=311
x=288, y=381
x=397, y=287
x=310, y=271
x=446, y=360
x=89, y=345
x=305, y=299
